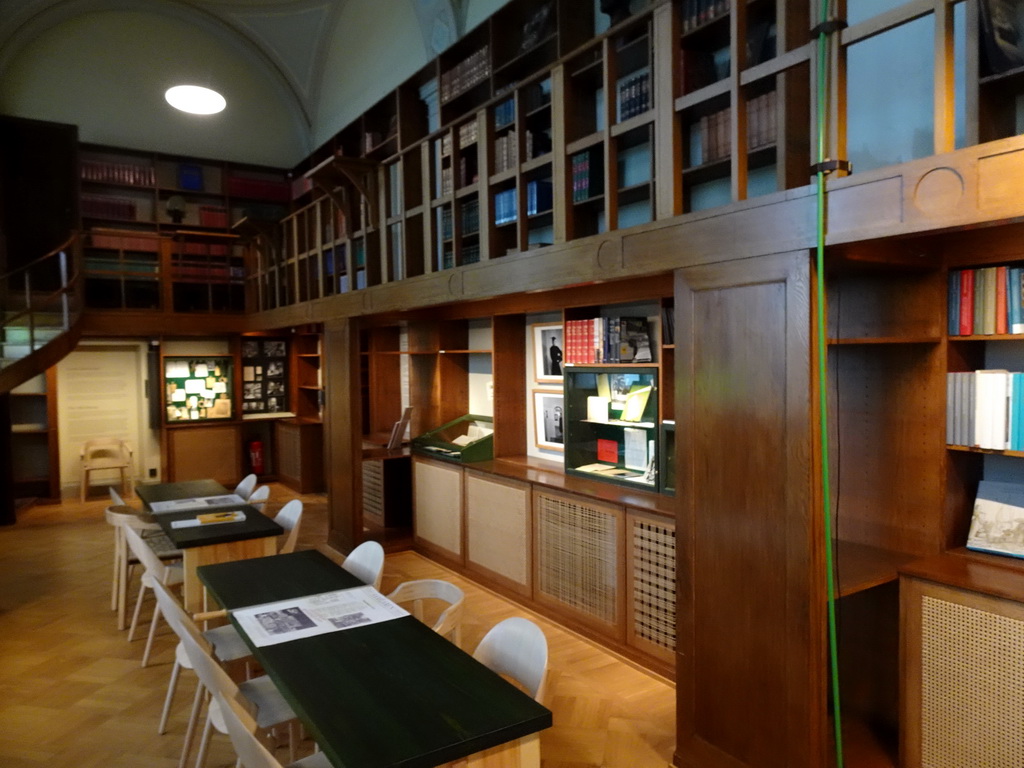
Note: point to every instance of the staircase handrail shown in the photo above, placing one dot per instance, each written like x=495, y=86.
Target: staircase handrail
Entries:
x=67, y=286
x=72, y=238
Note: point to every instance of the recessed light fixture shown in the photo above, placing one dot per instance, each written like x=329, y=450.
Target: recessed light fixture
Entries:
x=195, y=99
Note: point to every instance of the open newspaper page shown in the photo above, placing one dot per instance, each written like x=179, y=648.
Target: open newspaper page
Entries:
x=309, y=615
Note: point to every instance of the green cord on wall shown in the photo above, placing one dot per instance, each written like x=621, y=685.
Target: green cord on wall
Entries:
x=823, y=388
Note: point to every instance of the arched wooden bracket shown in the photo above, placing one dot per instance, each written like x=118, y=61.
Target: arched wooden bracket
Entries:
x=335, y=173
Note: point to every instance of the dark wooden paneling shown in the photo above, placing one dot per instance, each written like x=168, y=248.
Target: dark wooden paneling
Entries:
x=751, y=607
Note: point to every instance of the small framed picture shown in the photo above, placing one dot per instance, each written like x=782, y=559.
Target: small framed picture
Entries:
x=548, y=424
x=547, y=352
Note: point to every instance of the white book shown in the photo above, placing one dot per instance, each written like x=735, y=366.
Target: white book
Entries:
x=990, y=405
x=635, y=453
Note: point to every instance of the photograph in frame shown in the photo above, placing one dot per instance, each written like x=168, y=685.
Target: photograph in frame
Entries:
x=549, y=419
x=548, y=352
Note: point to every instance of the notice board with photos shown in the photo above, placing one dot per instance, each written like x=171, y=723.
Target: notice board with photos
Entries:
x=198, y=388
x=264, y=375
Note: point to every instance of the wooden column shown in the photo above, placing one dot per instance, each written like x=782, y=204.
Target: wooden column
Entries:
x=342, y=433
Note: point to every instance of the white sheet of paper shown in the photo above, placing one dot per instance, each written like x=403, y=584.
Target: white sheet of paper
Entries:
x=197, y=503
x=285, y=620
x=202, y=371
x=220, y=386
x=194, y=386
x=178, y=396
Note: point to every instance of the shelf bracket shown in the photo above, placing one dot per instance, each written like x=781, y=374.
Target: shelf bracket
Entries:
x=336, y=172
x=269, y=231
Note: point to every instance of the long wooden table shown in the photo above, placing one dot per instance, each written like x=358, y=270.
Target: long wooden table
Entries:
x=385, y=695
x=256, y=536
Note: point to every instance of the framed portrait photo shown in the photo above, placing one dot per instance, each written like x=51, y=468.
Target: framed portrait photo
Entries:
x=548, y=419
x=548, y=348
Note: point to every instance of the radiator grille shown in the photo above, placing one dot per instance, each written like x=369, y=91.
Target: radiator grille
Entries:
x=577, y=556
x=654, y=582
x=972, y=687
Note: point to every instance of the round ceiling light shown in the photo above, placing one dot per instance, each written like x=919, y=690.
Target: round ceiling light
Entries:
x=195, y=99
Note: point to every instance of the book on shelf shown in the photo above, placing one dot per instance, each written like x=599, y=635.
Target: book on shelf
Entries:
x=636, y=402
x=997, y=523
x=985, y=409
x=635, y=449
x=986, y=300
x=607, y=450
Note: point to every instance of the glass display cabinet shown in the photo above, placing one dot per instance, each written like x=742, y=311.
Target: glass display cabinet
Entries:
x=198, y=388
x=611, y=423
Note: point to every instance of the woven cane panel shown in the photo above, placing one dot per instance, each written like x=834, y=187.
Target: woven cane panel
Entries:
x=438, y=505
x=972, y=687
x=653, y=560
x=577, y=555
x=497, y=527
x=373, y=490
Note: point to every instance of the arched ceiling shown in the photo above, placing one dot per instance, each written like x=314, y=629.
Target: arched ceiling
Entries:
x=284, y=66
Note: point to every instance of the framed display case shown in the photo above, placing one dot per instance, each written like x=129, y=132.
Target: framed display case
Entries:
x=198, y=388
x=611, y=423
x=667, y=458
x=264, y=375
x=467, y=438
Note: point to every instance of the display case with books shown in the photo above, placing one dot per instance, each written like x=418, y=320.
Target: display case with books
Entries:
x=198, y=388
x=611, y=424
x=465, y=439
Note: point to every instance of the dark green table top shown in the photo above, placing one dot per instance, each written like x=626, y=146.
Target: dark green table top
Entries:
x=255, y=526
x=187, y=489
x=389, y=694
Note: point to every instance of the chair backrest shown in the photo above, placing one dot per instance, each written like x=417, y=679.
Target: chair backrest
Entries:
x=259, y=497
x=245, y=487
x=449, y=620
x=289, y=518
x=110, y=451
x=241, y=728
x=366, y=563
x=146, y=554
x=516, y=647
x=115, y=498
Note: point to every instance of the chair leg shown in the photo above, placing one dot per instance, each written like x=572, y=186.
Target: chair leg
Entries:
x=122, y=598
x=84, y=485
x=138, y=607
x=152, y=633
x=204, y=742
x=115, y=584
x=171, y=687
x=193, y=721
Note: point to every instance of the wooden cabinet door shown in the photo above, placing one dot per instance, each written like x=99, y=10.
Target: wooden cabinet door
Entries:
x=751, y=619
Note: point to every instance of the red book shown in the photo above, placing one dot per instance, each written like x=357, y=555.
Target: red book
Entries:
x=607, y=450
x=1002, y=278
x=967, y=302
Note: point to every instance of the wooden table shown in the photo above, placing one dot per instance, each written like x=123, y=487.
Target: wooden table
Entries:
x=382, y=695
x=256, y=536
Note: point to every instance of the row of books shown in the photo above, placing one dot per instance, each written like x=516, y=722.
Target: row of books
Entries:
x=714, y=135
x=538, y=197
x=634, y=95
x=587, y=176
x=102, y=207
x=471, y=217
x=986, y=300
x=985, y=409
x=607, y=340
x=761, y=122
x=474, y=69
x=124, y=242
x=204, y=249
x=467, y=137
x=213, y=216
x=537, y=143
x=118, y=173
x=698, y=12
x=505, y=207
x=506, y=151
x=504, y=114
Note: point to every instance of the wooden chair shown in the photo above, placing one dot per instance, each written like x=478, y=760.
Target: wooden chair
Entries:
x=289, y=518
x=106, y=453
x=449, y=621
x=264, y=703
x=157, y=572
x=366, y=563
x=245, y=487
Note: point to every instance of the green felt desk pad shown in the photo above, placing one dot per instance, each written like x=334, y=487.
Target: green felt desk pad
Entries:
x=186, y=489
x=389, y=694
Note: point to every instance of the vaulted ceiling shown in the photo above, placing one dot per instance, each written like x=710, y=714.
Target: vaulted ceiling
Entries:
x=294, y=71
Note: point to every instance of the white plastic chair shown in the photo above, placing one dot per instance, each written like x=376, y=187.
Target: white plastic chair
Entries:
x=289, y=518
x=253, y=753
x=157, y=572
x=260, y=693
x=516, y=647
x=245, y=487
x=105, y=453
x=449, y=622
x=259, y=497
x=366, y=563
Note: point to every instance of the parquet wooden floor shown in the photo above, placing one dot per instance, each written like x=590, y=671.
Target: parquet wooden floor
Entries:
x=73, y=694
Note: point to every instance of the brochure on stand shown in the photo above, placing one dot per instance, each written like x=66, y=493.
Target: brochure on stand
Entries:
x=294, y=619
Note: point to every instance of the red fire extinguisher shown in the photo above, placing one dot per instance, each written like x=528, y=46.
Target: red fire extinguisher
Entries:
x=256, y=456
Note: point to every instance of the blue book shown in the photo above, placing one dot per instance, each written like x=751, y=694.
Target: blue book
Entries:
x=953, y=304
x=997, y=525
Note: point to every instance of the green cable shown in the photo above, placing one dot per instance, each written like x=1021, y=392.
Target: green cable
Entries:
x=823, y=390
